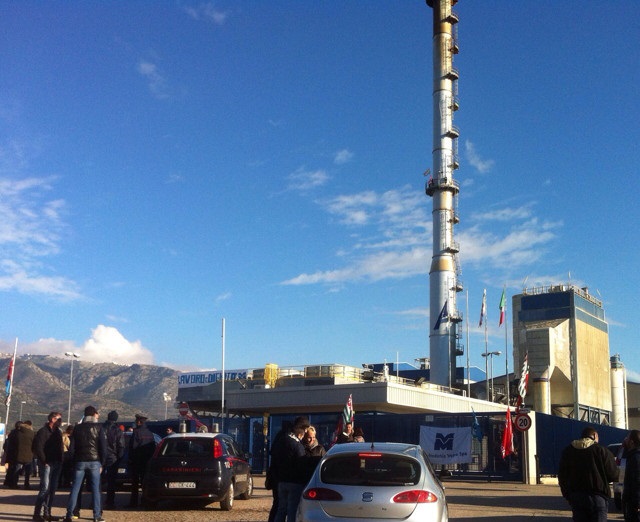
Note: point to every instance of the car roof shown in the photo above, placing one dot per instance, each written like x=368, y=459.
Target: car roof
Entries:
x=195, y=435
x=382, y=447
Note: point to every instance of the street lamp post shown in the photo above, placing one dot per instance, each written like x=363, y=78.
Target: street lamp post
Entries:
x=21, y=403
x=491, y=354
x=73, y=356
x=167, y=400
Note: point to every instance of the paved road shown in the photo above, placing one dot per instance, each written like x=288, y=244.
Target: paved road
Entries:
x=478, y=500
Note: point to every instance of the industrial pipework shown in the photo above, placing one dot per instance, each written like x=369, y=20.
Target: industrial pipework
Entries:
x=444, y=282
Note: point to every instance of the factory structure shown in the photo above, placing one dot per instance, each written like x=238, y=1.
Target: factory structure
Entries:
x=444, y=275
x=560, y=341
x=562, y=331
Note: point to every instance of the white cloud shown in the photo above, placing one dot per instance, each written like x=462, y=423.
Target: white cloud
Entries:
x=391, y=238
x=414, y=312
x=31, y=228
x=509, y=214
x=106, y=344
x=223, y=297
x=207, y=12
x=342, y=156
x=304, y=180
x=481, y=165
x=156, y=81
x=16, y=278
x=174, y=178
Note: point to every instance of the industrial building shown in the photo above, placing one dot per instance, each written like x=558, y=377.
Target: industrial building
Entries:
x=564, y=334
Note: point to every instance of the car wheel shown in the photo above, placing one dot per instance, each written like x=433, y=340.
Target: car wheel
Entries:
x=247, y=494
x=227, y=502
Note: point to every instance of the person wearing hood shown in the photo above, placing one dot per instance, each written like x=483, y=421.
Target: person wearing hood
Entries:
x=584, y=474
x=631, y=488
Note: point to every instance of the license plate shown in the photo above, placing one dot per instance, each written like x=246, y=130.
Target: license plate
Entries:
x=122, y=471
x=181, y=485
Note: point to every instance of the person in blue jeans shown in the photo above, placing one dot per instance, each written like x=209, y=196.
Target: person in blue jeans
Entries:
x=88, y=450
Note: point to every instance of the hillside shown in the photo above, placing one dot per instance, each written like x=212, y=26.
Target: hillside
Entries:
x=42, y=382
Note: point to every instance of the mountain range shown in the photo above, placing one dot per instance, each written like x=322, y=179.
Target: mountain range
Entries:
x=41, y=384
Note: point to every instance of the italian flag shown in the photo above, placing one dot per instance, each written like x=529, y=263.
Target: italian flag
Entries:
x=503, y=306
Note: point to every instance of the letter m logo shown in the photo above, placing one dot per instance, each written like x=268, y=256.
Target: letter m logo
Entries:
x=443, y=442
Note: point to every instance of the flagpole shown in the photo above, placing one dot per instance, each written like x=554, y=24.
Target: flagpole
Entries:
x=506, y=353
x=486, y=358
x=222, y=383
x=12, y=365
x=468, y=369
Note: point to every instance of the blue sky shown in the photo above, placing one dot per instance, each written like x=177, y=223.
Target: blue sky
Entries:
x=167, y=164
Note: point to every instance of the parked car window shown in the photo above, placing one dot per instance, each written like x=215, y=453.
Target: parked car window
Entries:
x=185, y=447
x=229, y=447
x=382, y=470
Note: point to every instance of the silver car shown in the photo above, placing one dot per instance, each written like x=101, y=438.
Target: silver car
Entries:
x=381, y=481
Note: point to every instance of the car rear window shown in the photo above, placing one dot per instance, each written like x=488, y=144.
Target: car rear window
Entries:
x=186, y=447
x=370, y=470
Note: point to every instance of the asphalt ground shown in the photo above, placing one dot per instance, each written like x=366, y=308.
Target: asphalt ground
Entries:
x=480, y=501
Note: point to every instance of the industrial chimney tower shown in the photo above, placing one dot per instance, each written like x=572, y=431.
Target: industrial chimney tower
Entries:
x=444, y=283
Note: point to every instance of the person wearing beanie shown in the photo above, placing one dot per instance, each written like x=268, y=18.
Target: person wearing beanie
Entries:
x=115, y=452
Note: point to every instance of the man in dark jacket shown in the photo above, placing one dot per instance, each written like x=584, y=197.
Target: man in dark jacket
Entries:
x=293, y=473
x=48, y=449
x=10, y=448
x=89, y=452
x=24, y=454
x=115, y=451
x=141, y=448
x=586, y=468
x=631, y=489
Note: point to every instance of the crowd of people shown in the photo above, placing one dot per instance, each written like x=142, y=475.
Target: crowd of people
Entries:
x=77, y=457
x=295, y=453
x=80, y=455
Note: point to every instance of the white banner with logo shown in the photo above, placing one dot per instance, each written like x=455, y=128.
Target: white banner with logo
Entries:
x=446, y=445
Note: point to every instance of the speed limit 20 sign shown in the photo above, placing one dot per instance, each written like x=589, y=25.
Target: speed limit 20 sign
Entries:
x=522, y=422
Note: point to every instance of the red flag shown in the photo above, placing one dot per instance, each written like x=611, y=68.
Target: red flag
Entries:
x=506, y=447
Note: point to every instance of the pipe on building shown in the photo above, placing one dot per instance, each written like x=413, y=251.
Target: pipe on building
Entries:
x=542, y=393
x=619, y=414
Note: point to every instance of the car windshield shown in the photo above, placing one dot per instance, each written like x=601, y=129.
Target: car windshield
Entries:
x=370, y=470
x=186, y=447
